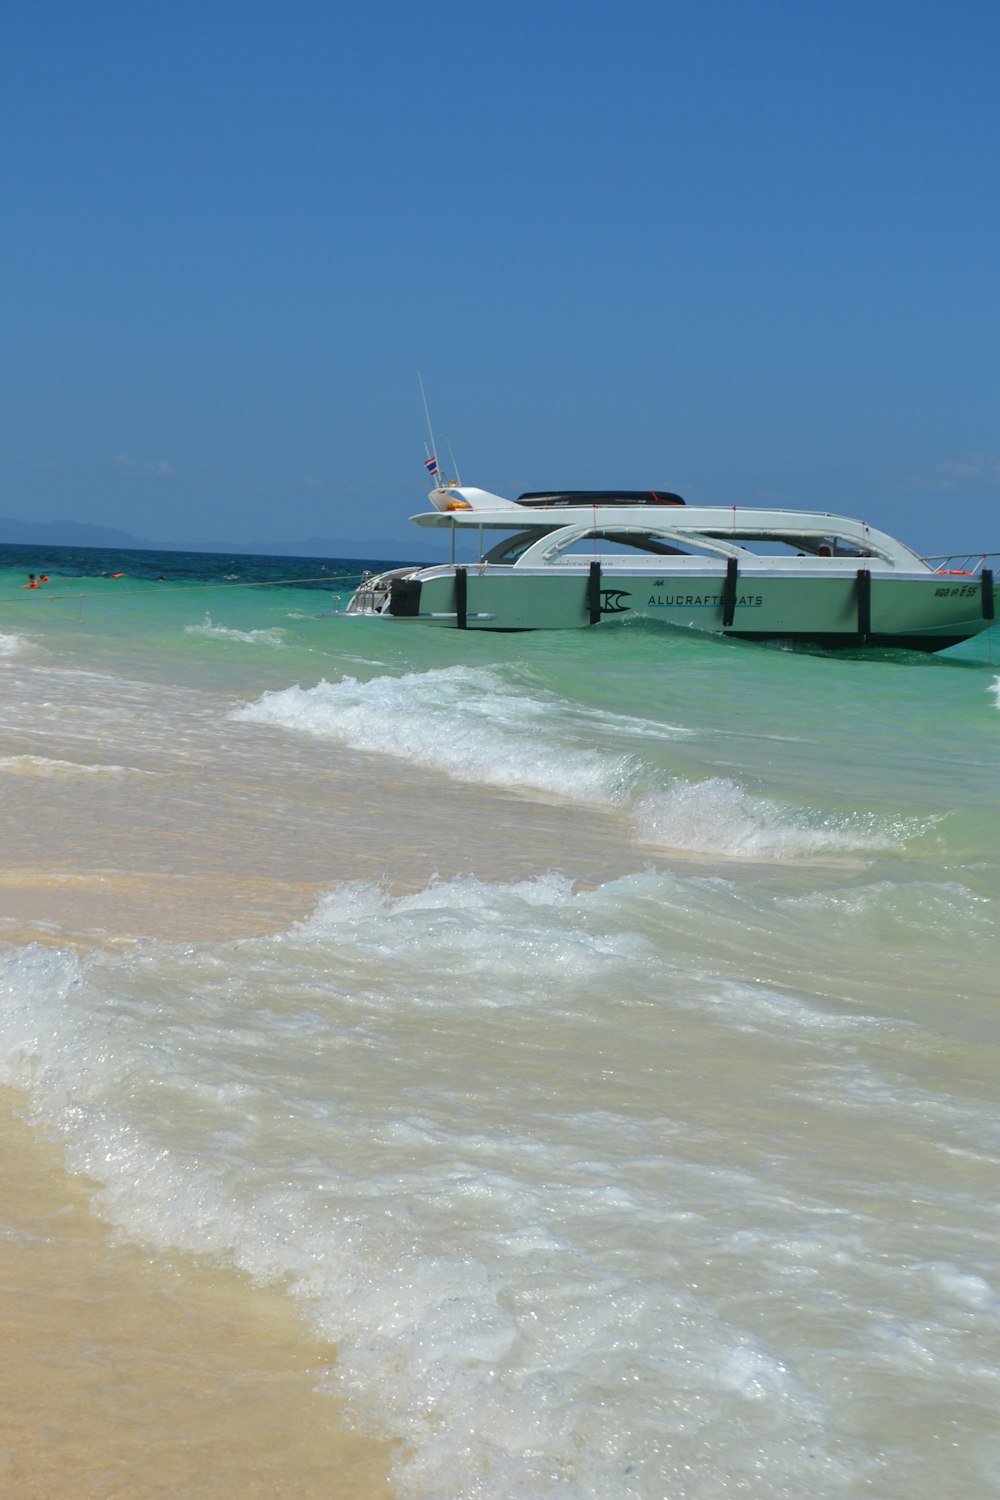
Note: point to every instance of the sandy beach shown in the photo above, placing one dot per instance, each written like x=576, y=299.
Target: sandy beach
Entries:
x=130, y=1377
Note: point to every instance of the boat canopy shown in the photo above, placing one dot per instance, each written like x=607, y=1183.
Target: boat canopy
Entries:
x=741, y=528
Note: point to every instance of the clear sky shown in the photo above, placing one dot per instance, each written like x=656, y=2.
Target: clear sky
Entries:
x=743, y=249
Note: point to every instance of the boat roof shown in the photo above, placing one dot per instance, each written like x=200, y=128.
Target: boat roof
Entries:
x=464, y=507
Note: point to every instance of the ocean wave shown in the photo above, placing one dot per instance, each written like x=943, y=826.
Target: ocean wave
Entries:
x=474, y=726
x=440, y=1202
x=717, y=816
x=512, y=1151
x=274, y=636
x=460, y=720
x=917, y=912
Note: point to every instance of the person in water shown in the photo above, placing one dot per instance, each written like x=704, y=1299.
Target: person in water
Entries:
x=32, y=582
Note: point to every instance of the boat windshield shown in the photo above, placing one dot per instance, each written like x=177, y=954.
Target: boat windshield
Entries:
x=512, y=547
x=632, y=541
x=680, y=542
x=612, y=539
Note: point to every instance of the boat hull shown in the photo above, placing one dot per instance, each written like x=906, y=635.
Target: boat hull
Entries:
x=851, y=607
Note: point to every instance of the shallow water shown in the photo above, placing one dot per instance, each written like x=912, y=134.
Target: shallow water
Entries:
x=593, y=1034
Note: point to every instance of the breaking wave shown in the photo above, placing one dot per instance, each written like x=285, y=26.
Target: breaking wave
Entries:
x=274, y=636
x=514, y=1151
x=475, y=727
x=459, y=720
x=716, y=816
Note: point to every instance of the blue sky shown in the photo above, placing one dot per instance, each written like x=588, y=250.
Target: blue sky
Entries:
x=747, y=251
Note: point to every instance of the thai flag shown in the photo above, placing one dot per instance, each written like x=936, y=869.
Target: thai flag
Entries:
x=431, y=465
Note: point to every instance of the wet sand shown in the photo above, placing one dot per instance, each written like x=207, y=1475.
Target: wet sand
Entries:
x=132, y=1377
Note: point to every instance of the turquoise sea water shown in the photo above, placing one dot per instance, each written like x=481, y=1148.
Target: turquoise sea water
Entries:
x=596, y=1033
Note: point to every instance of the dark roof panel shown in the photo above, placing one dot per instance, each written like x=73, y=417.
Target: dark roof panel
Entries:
x=598, y=497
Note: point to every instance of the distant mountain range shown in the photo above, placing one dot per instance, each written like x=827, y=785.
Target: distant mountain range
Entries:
x=67, y=534
x=83, y=534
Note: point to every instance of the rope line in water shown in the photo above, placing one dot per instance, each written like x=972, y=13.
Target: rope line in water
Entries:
x=172, y=587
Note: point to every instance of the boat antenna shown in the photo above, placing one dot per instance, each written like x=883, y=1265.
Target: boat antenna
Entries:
x=454, y=465
x=432, y=450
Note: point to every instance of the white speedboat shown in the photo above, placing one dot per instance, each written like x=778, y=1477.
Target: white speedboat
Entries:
x=577, y=558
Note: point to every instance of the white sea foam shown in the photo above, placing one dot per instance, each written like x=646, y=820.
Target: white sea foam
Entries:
x=12, y=644
x=550, y=1207
x=974, y=1291
x=41, y=765
x=716, y=816
x=464, y=721
x=274, y=636
x=477, y=728
x=995, y=690
x=936, y=915
x=762, y=1009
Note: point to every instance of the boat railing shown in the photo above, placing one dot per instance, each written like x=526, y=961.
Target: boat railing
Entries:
x=969, y=564
x=373, y=590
